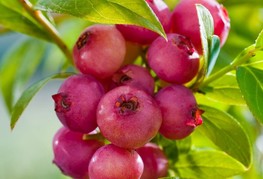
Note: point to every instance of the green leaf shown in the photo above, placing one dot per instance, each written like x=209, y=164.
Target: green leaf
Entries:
x=28, y=94
x=14, y=17
x=225, y=90
x=206, y=29
x=250, y=81
x=259, y=40
x=19, y=64
x=204, y=164
x=226, y=133
x=135, y=12
x=213, y=53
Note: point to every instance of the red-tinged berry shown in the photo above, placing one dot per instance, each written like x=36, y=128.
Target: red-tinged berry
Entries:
x=99, y=51
x=154, y=160
x=134, y=76
x=175, y=60
x=76, y=102
x=72, y=154
x=112, y=162
x=180, y=112
x=128, y=117
x=185, y=22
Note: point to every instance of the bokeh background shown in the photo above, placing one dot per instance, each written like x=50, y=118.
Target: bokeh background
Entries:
x=26, y=152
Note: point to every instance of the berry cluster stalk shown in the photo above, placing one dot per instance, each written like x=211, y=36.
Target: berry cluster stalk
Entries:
x=38, y=15
x=242, y=58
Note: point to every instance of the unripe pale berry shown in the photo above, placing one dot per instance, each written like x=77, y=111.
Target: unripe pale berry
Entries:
x=112, y=162
x=154, y=160
x=145, y=36
x=184, y=20
x=76, y=102
x=180, y=111
x=175, y=60
x=135, y=76
x=72, y=154
x=99, y=51
x=128, y=117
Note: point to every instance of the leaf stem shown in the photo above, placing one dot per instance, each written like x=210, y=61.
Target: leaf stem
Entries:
x=244, y=56
x=38, y=15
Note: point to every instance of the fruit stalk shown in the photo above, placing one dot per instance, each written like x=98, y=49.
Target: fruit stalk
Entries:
x=242, y=58
x=38, y=15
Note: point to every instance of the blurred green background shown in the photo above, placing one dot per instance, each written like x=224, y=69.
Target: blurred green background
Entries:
x=26, y=152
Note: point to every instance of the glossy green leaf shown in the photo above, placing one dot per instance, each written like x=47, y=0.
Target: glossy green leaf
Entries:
x=206, y=164
x=250, y=81
x=14, y=17
x=226, y=133
x=106, y=11
x=225, y=90
x=259, y=40
x=28, y=94
x=206, y=24
x=213, y=53
x=19, y=64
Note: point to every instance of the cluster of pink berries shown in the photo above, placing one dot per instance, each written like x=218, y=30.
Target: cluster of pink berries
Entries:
x=111, y=112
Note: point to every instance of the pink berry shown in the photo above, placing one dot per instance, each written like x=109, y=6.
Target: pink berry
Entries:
x=180, y=111
x=184, y=20
x=76, y=102
x=128, y=117
x=99, y=51
x=142, y=35
x=112, y=162
x=135, y=76
x=175, y=60
x=154, y=160
x=72, y=154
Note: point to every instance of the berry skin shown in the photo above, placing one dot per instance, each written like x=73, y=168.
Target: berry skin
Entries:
x=154, y=160
x=134, y=76
x=99, y=51
x=185, y=22
x=142, y=35
x=180, y=111
x=112, y=162
x=175, y=60
x=128, y=117
x=76, y=102
x=72, y=154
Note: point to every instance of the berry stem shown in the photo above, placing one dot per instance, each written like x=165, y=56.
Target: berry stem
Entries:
x=242, y=58
x=38, y=15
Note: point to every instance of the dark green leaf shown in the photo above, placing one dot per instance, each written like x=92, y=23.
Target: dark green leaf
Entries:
x=206, y=29
x=19, y=64
x=206, y=164
x=250, y=81
x=14, y=17
x=28, y=94
x=225, y=90
x=134, y=12
x=259, y=40
x=226, y=133
x=213, y=53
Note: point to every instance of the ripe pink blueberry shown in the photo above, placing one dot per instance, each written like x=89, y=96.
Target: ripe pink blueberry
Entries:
x=72, y=154
x=175, y=60
x=112, y=162
x=76, y=102
x=128, y=117
x=184, y=20
x=154, y=160
x=135, y=76
x=180, y=111
x=145, y=36
x=99, y=51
